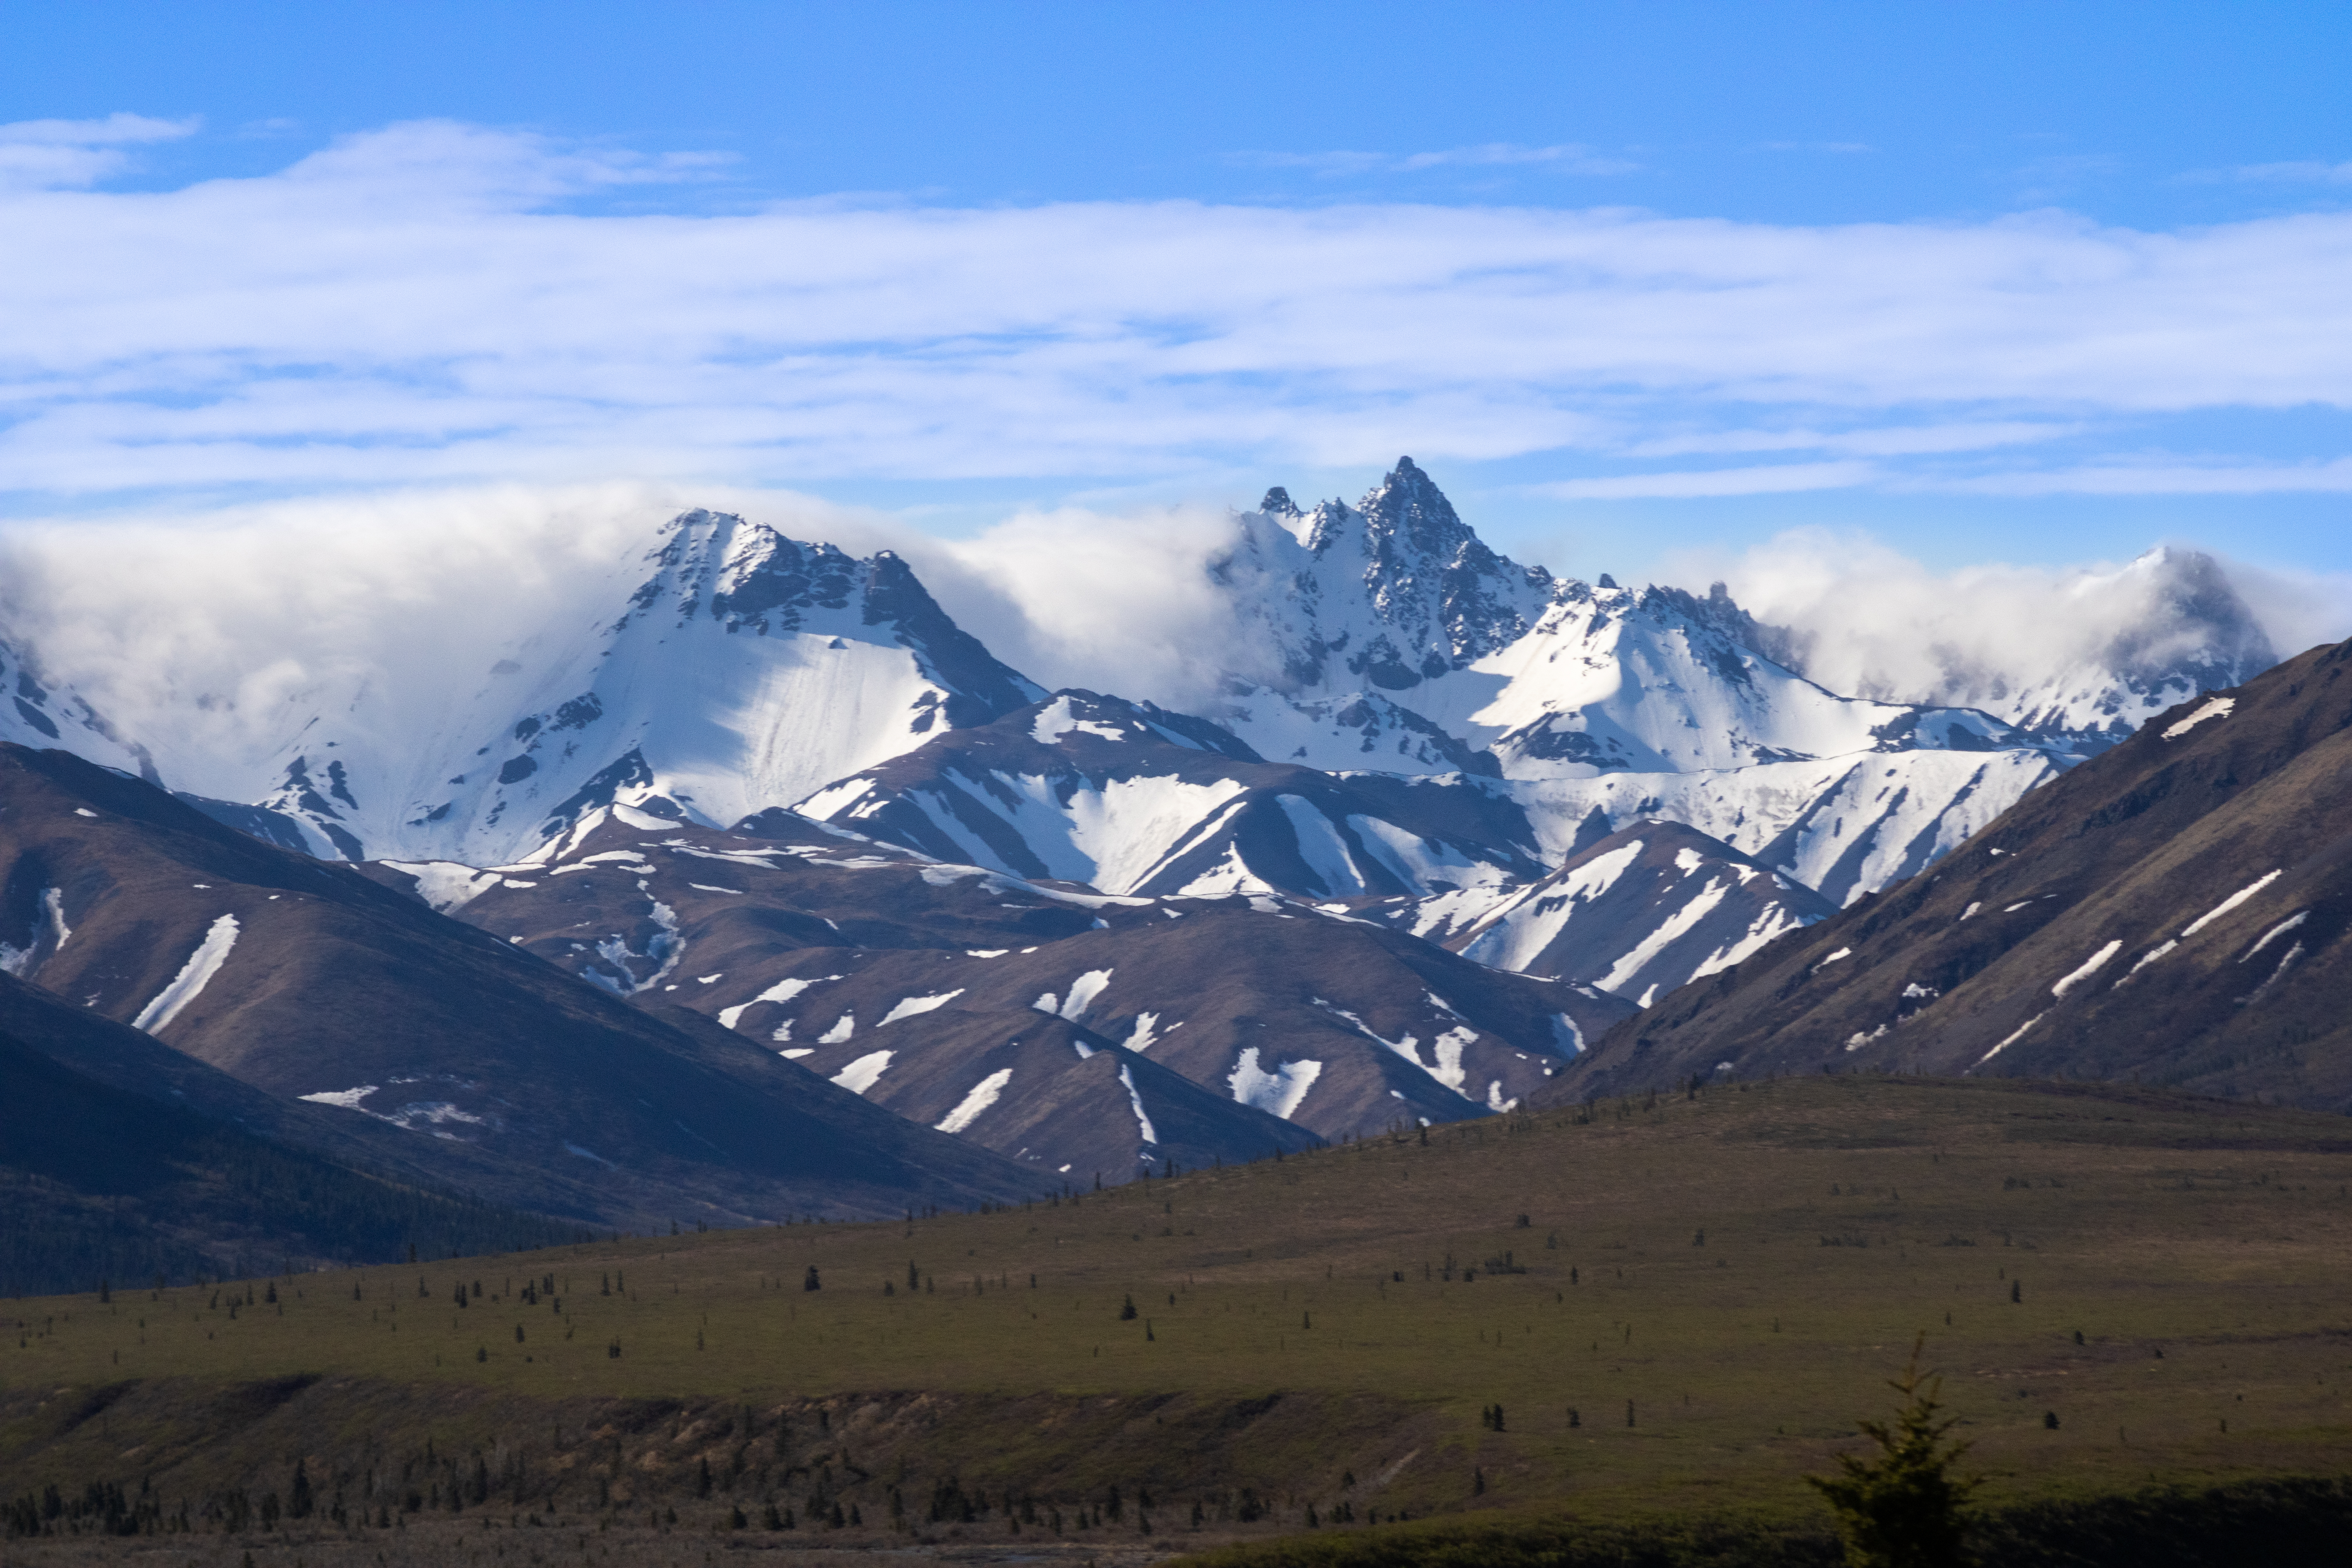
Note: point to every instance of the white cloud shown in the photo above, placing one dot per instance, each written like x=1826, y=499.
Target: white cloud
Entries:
x=49, y=153
x=1769, y=478
x=221, y=619
x=1893, y=441
x=1872, y=621
x=1119, y=602
x=199, y=631
x=2151, y=478
x=1568, y=158
x=425, y=304
x=2309, y=171
x=2298, y=609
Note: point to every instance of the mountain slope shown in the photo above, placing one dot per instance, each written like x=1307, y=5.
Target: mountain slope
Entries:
x=2175, y=909
x=697, y=925
x=1267, y=1022
x=1337, y=1026
x=98, y=1182
x=1131, y=799
x=1844, y=827
x=725, y=670
x=308, y=980
x=1642, y=913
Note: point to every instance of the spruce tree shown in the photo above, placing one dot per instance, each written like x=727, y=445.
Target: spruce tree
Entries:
x=1902, y=1509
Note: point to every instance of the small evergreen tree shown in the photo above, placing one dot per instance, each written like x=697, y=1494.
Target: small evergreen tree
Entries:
x=1902, y=1509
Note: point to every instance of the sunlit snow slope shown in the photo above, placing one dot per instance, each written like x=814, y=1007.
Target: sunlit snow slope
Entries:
x=730, y=670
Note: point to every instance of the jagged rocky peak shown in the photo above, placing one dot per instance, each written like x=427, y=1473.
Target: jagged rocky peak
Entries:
x=751, y=578
x=1408, y=504
x=1399, y=586
x=744, y=573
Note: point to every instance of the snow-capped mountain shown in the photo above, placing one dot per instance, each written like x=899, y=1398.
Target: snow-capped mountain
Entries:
x=2125, y=645
x=2176, y=911
x=728, y=669
x=1406, y=645
x=45, y=713
x=1450, y=819
x=1844, y=827
x=1131, y=799
x=2193, y=634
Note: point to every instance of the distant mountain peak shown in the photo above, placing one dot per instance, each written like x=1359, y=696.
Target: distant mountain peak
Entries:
x=1385, y=594
x=732, y=669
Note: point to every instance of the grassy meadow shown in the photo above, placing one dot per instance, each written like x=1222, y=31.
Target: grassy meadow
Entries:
x=1681, y=1305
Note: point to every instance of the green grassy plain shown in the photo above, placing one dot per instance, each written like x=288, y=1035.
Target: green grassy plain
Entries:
x=1741, y=1269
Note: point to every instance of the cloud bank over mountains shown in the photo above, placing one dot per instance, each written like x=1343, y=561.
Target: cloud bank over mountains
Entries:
x=439, y=303
x=245, y=614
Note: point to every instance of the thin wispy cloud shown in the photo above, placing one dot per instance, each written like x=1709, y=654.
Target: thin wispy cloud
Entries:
x=2307, y=172
x=1333, y=163
x=437, y=303
x=1771, y=478
x=2173, y=479
x=1901, y=440
x=51, y=153
x=1565, y=158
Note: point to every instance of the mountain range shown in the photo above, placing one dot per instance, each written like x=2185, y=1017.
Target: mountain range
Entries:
x=760, y=889
x=2172, y=911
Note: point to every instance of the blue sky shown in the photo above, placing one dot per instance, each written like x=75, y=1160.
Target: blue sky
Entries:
x=2025, y=282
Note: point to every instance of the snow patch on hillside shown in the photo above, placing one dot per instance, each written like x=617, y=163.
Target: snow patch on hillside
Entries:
x=984, y=1094
x=193, y=976
x=1279, y=1091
